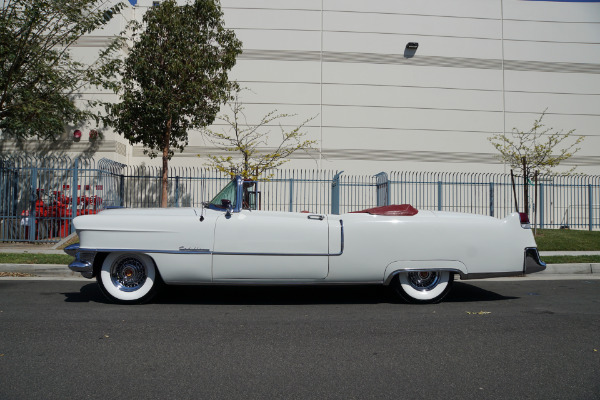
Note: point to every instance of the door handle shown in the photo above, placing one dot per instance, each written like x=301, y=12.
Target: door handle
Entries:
x=317, y=217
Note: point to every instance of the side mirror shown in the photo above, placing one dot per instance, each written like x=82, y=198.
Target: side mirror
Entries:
x=226, y=204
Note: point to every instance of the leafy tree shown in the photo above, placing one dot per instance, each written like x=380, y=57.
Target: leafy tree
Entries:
x=249, y=142
x=538, y=149
x=39, y=78
x=175, y=77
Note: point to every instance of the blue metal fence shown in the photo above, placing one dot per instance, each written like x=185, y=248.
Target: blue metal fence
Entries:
x=561, y=202
x=40, y=197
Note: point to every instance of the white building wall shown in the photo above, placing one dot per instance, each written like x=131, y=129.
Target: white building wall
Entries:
x=482, y=67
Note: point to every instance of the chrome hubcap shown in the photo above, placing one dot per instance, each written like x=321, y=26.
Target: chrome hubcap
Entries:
x=423, y=280
x=128, y=274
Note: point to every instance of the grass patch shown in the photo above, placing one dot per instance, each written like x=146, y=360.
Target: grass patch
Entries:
x=567, y=240
x=29, y=258
x=570, y=259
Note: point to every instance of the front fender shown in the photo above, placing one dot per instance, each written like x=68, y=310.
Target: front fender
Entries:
x=397, y=267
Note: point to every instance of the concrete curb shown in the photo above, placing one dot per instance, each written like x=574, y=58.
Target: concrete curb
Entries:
x=582, y=268
x=43, y=270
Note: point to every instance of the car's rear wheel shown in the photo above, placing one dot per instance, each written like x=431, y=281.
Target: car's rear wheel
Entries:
x=423, y=286
x=128, y=278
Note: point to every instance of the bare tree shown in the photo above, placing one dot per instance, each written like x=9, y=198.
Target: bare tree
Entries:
x=537, y=149
x=249, y=143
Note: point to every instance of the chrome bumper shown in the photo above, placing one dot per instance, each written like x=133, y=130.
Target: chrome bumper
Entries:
x=533, y=263
x=84, y=260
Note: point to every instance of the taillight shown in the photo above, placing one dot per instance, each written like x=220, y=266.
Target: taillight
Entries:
x=525, y=224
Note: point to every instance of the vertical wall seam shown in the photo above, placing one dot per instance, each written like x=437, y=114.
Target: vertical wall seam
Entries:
x=321, y=94
x=503, y=72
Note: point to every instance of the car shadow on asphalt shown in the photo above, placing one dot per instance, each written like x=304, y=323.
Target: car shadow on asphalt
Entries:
x=286, y=295
x=90, y=292
x=465, y=292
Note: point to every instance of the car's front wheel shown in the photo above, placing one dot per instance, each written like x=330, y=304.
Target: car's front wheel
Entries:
x=423, y=286
x=128, y=278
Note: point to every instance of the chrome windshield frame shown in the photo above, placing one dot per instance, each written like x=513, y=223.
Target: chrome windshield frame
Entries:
x=237, y=203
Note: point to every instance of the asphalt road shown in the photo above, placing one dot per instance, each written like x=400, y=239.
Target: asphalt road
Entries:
x=494, y=340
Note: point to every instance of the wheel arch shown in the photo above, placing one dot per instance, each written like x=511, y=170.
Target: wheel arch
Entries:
x=101, y=256
x=98, y=261
x=397, y=267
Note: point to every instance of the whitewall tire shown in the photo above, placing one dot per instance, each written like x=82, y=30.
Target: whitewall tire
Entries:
x=423, y=286
x=128, y=278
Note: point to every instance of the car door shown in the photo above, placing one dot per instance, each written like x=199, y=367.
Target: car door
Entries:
x=270, y=245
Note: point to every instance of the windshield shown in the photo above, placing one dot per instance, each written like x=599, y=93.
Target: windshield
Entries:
x=228, y=192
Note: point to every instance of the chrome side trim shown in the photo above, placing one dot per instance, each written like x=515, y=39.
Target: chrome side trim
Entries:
x=199, y=251
x=275, y=282
x=485, y=275
x=234, y=253
x=217, y=253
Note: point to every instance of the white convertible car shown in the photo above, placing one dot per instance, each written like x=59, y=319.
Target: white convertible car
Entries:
x=131, y=252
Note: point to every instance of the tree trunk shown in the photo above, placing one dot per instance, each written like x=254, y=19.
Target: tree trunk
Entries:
x=165, y=166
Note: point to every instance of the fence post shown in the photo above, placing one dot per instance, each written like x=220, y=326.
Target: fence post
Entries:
x=74, y=193
x=177, y=191
x=439, y=195
x=291, y=208
x=591, y=208
x=383, y=193
x=541, y=208
x=32, y=199
x=122, y=191
x=15, y=192
x=491, y=199
x=335, y=193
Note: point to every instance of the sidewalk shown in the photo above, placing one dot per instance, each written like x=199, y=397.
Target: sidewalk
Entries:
x=61, y=271
x=569, y=253
x=49, y=248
